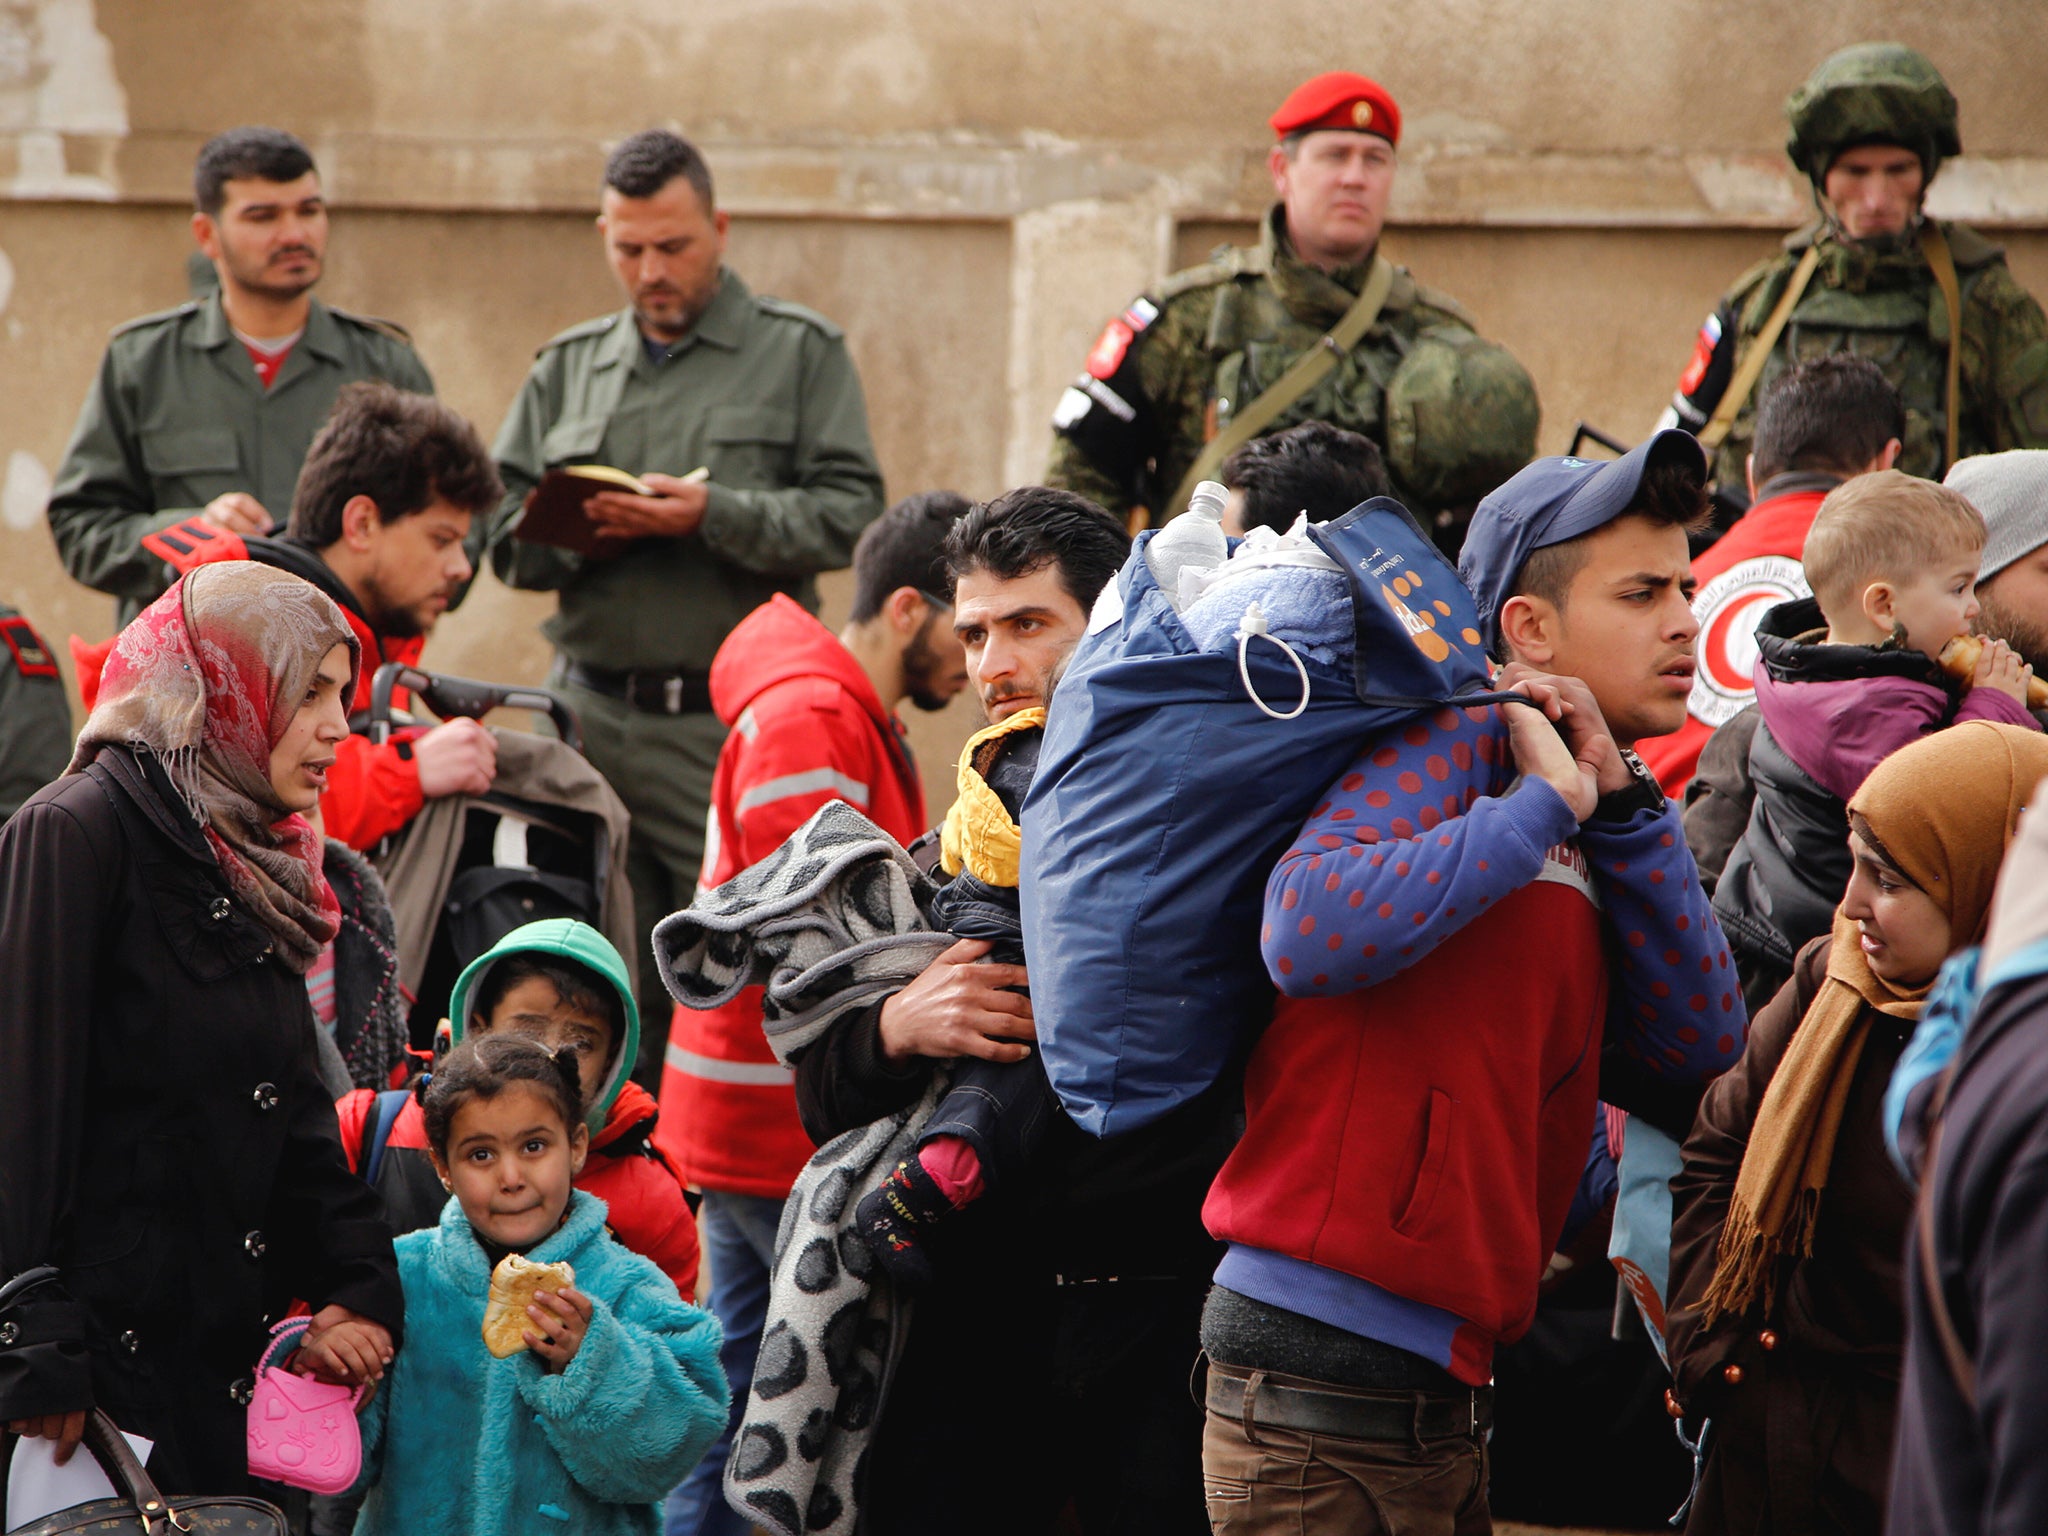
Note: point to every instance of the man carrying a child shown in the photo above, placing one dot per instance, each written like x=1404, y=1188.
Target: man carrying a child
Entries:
x=1048, y=1363
x=813, y=718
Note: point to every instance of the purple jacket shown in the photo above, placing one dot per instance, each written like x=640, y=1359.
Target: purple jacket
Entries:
x=1840, y=729
x=1830, y=714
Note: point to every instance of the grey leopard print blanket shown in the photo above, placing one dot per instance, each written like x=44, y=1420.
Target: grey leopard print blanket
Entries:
x=827, y=925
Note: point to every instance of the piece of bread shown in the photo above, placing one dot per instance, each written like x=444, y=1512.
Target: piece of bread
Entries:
x=513, y=1284
x=1959, y=660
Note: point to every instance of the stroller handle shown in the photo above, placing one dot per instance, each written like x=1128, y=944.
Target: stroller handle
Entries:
x=464, y=697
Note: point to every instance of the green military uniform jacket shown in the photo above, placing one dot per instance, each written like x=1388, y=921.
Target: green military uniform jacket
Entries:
x=1169, y=372
x=35, y=715
x=177, y=417
x=763, y=394
x=1883, y=302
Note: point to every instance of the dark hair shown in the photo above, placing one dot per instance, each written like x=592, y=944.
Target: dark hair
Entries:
x=1035, y=526
x=1670, y=494
x=905, y=547
x=642, y=165
x=485, y=1067
x=1831, y=415
x=576, y=984
x=401, y=450
x=244, y=154
x=1314, y=468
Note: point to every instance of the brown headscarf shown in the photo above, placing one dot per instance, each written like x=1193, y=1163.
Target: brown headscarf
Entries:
x=1944, y=808
x=208, y=678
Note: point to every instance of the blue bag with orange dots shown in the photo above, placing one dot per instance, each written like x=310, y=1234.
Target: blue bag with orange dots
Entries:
x=1171, y=780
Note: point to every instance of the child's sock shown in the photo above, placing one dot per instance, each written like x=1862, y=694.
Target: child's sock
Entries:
x=924, y=1189
x=955, y=1167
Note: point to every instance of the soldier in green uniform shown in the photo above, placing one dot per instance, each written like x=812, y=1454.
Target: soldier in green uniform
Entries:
x=1312, y=324
x=203, y=413
x=1874, y=275
x=696, y=374
x=35, y=716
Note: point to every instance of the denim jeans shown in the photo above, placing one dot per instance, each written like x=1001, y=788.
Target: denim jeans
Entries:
x=1002, y=1109
x=738, y=1233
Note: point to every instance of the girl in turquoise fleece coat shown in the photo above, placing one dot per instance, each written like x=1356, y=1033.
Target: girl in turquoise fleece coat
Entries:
x=619, y=1391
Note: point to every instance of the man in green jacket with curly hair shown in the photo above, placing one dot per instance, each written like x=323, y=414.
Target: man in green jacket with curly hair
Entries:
x=1874, y=275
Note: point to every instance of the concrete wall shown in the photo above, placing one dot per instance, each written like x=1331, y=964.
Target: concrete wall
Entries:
x=969, y=189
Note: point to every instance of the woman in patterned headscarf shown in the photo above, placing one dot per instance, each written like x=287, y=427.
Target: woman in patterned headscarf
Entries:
x=170, y=1169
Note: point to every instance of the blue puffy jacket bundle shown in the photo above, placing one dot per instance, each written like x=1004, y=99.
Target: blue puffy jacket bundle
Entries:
x=1165, y=794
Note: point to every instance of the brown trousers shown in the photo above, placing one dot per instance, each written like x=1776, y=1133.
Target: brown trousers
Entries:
x=1287, y=1483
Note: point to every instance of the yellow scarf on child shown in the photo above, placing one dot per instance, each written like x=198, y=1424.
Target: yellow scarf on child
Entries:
x=979, y=835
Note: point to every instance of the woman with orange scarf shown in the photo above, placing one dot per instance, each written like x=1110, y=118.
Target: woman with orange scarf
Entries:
x=1789, y=1224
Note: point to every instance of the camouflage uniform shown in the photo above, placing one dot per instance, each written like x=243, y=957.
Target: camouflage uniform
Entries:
x=1455, y=415
x=1879, y=297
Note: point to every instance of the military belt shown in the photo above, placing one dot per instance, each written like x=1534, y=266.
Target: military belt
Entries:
x=659, y=693
x=1259, y=1399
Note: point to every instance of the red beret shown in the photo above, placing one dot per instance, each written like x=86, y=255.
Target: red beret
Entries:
x=1339, y=100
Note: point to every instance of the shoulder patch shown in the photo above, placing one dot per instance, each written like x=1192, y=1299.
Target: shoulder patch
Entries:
x=789, y=310
x=579, y=332
x=1107, y=355
x=162, y=316
x=32, y=658
x=389, y=328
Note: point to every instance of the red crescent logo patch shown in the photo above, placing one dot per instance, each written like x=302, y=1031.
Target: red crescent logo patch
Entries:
x=1728, y=609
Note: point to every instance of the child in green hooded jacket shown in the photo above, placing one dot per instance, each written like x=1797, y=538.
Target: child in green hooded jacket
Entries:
x=563, y=984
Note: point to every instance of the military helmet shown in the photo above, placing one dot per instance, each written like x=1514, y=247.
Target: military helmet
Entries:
x=1872, y=93
x=1461, y=417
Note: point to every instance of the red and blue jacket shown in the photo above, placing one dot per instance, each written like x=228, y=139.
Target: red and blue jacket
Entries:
x=1454, y=953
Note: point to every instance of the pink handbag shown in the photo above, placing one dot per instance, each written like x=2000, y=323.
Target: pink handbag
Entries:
x=301, y=1431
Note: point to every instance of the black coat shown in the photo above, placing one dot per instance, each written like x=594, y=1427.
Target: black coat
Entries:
x=165, y=1140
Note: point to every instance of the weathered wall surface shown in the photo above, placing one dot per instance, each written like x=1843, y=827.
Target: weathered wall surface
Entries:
x=969, y=189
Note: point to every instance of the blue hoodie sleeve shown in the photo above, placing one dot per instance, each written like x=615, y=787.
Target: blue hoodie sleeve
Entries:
x=1676, y=1006
x=644, y=1396
x=1414, y=840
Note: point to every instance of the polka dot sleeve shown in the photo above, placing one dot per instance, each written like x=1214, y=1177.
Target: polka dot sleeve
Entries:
x=1676, y=1006
x=1415, y=840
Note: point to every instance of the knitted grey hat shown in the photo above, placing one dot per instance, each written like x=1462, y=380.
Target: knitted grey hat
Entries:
x=2011, y=490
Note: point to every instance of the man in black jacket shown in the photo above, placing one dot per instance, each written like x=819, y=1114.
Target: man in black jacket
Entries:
x=1048, y=1364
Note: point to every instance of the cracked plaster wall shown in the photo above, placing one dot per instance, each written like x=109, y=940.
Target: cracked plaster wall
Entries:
x=969, y=189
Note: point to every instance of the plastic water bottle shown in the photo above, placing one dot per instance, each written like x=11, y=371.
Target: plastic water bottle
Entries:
x=1194, y=541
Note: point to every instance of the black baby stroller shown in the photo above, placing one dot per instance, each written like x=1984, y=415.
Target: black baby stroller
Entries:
x=548, y=839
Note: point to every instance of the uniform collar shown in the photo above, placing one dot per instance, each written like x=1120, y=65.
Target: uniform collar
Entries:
x=1312, y=295
x=722, y=325
x=211, y=330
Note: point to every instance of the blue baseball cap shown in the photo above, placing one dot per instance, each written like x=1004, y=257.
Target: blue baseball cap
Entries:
x=1554, y=500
